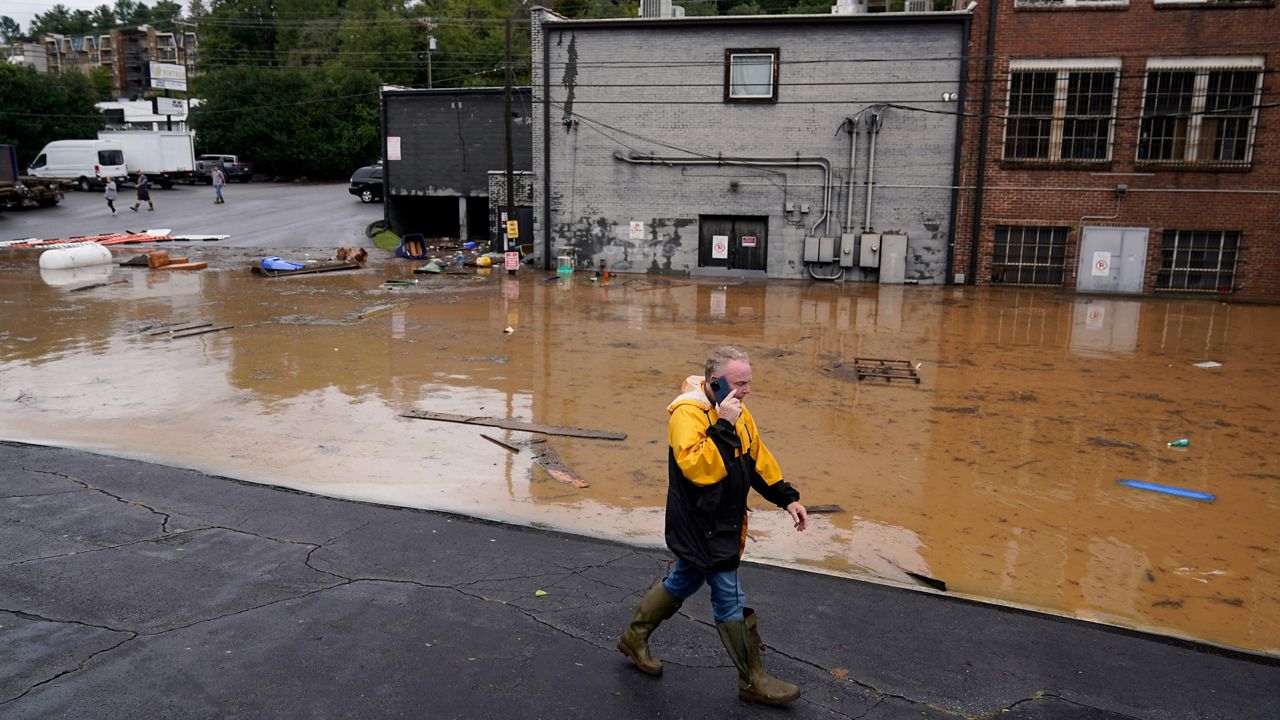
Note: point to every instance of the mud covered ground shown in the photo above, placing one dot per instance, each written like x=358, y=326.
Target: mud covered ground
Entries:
x=996, y=474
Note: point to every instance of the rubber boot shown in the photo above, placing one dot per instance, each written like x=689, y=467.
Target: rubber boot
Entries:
x=656, y=606
x=742, y=641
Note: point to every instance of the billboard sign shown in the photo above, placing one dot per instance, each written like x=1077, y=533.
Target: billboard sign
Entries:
x=168, y=106
x=166, y=76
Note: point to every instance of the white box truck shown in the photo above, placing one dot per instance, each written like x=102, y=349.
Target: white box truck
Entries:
x=86, y=162
x=165, y=156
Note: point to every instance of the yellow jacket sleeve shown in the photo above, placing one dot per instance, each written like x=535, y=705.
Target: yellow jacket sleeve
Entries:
x=765, y=463
x=696, y=454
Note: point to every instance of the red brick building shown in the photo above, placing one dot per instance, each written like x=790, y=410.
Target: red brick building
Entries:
x=1128, y=146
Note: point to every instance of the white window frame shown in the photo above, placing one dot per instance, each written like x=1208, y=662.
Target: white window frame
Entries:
x=1202, y=66
x=1063, y=68
x=1172, y=271
x=731, y=55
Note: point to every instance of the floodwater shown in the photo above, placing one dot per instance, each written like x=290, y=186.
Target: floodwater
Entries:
x=996, y=474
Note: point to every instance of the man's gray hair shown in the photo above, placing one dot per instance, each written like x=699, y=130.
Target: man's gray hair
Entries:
x=721, y=357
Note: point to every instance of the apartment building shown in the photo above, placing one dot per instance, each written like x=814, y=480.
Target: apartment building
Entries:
x=125, y=52
x=1124, y=146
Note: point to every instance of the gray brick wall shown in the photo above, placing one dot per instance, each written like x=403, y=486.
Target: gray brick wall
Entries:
x=657, y=88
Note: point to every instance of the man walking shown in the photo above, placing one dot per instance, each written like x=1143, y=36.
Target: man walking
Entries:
x=715, y=456
x=218, y=179
x=110, y=195
x=144, y=193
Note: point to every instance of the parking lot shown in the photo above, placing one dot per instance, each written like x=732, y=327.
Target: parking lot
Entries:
x=275, y=215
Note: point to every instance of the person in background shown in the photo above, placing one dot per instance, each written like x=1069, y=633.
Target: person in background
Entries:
x=110, y=195
x=144, y=193
x=715, y=457
x=218, y=180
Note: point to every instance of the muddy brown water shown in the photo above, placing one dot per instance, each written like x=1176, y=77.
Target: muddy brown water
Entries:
x=996, y=474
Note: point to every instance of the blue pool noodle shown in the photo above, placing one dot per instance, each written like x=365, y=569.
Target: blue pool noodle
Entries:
x=1167, y=489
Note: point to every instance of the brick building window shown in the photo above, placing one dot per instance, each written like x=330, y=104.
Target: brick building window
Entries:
x=1198, y=261
x=1028, y=255
x=751, y=75
x=1069, y=3
x=1061, y=114
x=1200, y=115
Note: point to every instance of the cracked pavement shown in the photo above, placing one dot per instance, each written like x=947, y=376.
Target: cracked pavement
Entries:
x=136, y=590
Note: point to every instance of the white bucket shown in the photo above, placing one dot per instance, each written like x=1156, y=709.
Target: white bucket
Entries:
x=73, y=256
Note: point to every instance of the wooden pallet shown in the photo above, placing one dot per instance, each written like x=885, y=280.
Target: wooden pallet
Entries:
x=890, y=370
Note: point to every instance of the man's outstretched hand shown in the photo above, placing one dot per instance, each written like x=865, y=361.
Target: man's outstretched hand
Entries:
x=799, y=516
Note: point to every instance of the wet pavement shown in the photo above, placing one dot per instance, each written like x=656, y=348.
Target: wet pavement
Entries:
x=996, y=474
x=136, y=590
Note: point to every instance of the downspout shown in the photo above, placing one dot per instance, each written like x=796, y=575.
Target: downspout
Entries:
x=957, y=156
x=546, y=147
x=873, y=129
x=982, y=145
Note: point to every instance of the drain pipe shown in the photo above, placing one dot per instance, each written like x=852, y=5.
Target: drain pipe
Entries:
x=798, y=161
x=873, y=129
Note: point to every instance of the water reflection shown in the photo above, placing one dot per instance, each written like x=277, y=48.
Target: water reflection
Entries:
x=996, y=474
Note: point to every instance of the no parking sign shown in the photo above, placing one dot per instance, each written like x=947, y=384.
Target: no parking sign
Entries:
x=720, y=247
x=1102, y=263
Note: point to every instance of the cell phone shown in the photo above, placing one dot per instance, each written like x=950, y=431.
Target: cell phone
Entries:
x=720, y=389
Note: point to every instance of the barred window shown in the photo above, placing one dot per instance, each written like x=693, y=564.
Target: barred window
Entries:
x=1028, y=255
x=1198, y=261
x=1060, y=114
x=1199, y=116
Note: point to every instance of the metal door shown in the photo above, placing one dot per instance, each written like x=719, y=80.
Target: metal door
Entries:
x=1112, y=260
x=741, y=242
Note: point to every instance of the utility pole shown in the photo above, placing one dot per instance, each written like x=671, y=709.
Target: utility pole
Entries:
x=511, y=200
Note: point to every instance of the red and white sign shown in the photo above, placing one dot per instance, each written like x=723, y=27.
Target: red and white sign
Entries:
x=748, y=241
x=720, y=247
x=1102, y=263
x=511, y=260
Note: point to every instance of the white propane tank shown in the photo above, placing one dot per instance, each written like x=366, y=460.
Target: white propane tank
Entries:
x=76, y=276
x=73, y=256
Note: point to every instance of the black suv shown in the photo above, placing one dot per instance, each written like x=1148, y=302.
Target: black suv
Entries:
x=366, y=183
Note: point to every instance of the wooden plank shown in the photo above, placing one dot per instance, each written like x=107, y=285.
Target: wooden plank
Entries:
x=179, y=327
x=500, y=444
x=201, y=331
x=513, y=424
x=185, y=266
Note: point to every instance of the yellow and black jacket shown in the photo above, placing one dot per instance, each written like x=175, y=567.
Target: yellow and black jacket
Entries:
x=711, y=466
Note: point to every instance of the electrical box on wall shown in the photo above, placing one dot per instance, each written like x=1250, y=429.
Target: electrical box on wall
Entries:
x=870, y=256
x=848, y=246
x=826, y=249
x=811, y=248
x=893, y=258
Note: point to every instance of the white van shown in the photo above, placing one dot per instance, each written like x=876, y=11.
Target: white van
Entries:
x=88, y=162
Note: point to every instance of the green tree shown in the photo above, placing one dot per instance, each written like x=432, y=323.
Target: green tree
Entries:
x=104, y=18
x=10, y=30
x=101, y=80
x=40, y=108
x=290, y=121
x=56, y=19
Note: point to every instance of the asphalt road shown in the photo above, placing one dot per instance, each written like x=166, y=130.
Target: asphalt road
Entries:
x=274, y=215
x=131, y=590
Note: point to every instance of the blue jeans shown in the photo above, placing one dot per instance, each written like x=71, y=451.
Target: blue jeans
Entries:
x=727, y=598
x=217, y=191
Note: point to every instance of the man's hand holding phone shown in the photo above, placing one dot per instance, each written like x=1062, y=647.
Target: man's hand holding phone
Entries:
x=728, y=406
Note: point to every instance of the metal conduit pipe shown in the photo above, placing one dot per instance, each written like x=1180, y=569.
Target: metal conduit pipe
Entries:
x=818, y=162
x=853, y=167
x=873, y=129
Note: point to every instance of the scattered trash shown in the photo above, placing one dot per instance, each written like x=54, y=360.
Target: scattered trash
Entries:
x=398, y=282
x=1207, y=364
x=413, y=246
x=201, y=331
x=513, y=424
x=175, y=327
x=1168, y=490
x=261, y=269
x=278, y=263
x=816, y=509
x=539, y=593
x=1108, y=442
x=1180, y=443
x=356, y=255
x=74, y=256
x=500, y=444
x=890, y=370
x=1198, y=575
x=508, y=330
x=431, y=267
